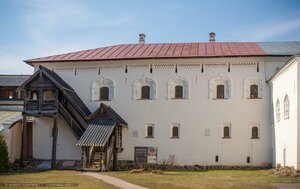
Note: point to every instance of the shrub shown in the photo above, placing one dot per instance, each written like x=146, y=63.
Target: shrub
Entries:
x=3, y=154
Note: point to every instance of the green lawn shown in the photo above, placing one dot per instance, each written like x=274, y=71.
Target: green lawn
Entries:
x=209, y=179
x=54, y=177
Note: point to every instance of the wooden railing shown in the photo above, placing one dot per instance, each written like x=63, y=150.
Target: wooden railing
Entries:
x=35, y=105
x=109, y=153
x=70, y=121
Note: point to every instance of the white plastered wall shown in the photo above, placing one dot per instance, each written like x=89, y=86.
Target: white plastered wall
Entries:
x=194, y=114
x=287, y=130
x=42, y=140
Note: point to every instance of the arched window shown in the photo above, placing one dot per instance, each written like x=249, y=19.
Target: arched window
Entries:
x=103, y=89
x=104, y=93
x=219, y=88
x=145, y=92
x=226, y=132
x=149, y=133
x=178, y=88
x=278, y=110
x=254, y=133
x=144, y=88
x=220, y=91
x=254, y=91
x=178, y=91
x=253, y=88
x=175, y=132
x=34, y=95
x=48, y=95
x=286, y=107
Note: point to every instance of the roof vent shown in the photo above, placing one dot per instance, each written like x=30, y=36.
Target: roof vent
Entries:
x=142, y=38
x=212, y=37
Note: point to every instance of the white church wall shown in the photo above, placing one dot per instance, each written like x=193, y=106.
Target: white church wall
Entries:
x=42, y=140
x=286, y=129
x=197, y=115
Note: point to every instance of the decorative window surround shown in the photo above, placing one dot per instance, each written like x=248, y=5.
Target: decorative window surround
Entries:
x=144, y=81
x=219, y=80
x=277, y=110
x=178, y=80
x=286, y=107
x=248, y=81
x=102, y=82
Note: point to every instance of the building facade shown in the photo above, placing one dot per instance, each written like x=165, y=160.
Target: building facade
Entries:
x=285, y=100
x=201, y=103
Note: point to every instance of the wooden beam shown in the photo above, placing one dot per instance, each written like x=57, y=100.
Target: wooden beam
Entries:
x=23, y=143
x=82, y=157
x=54, y=142
x=115, y=152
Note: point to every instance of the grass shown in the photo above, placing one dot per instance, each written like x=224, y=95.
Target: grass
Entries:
x=83, y=181
x=217, y=179
x=244, y=179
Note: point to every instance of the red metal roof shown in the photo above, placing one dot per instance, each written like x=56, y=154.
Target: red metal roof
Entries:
x=164, y=50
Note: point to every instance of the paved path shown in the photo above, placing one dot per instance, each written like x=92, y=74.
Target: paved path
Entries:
x=114, y=181
x=287, y=186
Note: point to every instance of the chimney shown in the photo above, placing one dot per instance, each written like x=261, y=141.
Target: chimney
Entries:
x=212, y=37
x=142, y=38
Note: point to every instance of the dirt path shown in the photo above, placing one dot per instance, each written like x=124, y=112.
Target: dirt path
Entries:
x=114, y=181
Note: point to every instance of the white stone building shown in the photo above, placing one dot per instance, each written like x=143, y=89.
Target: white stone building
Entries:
x=190, y=103
x=285, y=99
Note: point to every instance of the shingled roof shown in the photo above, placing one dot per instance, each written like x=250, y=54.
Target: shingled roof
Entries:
x=13, y=80
x=176, y=50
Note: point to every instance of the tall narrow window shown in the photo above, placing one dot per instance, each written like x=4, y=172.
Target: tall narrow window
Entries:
x=149, y=133
x=179, y=91
x=175, y=132
x=145, y=92
x=286, y=107
x=220, y=91
x=254, y=91
x=104, y=93
x=278, y=110
x=226, y=132
x=254, y=133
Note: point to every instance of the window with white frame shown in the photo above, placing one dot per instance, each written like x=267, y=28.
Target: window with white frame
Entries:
x=178, y=88
x=149, y=131
x=174, y=130
x=102, y=89
x=144, y=89
x=226, y=131
x=220, y=88
x=252, y=88
x=286, y=107
x=277, y=110
x=254, y=132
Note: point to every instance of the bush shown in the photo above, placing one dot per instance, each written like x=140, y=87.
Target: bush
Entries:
x=3, y=154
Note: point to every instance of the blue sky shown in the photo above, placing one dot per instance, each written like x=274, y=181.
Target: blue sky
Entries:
x=35, y=28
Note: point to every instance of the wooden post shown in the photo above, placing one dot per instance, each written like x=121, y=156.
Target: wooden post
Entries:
x=54, y=142
x=23, y=144
x=82, y=157
x=115, y=152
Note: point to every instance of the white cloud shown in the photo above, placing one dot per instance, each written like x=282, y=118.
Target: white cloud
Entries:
x=267, y=31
